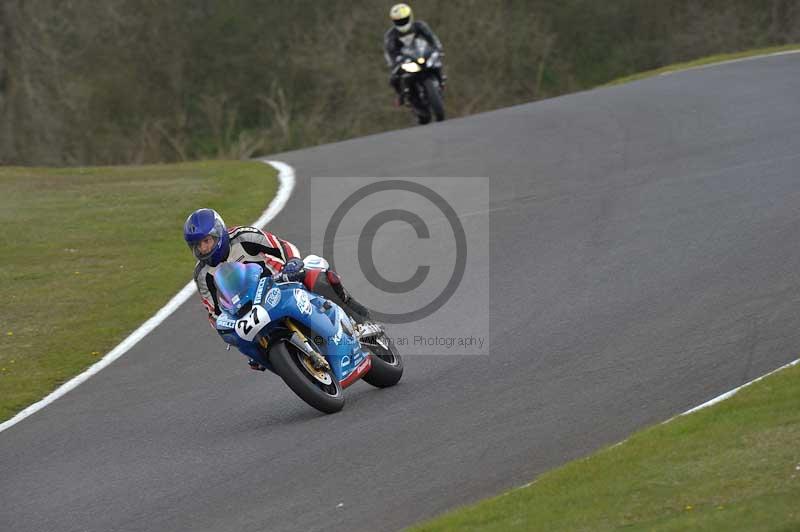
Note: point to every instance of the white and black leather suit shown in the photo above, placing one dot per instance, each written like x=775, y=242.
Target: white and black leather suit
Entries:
x=252, y=245
x=394, y=41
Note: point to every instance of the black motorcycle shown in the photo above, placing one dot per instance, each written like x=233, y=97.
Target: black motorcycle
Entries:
x=420, y=70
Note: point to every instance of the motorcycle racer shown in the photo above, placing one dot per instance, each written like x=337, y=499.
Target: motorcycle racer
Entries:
x=213, y=243
x=402, y=33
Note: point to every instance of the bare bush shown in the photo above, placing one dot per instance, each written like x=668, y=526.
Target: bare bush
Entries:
x=83, y=82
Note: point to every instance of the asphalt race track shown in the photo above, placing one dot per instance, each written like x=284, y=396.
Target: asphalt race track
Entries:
x=644, y=258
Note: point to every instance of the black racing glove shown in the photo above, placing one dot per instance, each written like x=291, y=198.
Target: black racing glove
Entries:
x=293, y=270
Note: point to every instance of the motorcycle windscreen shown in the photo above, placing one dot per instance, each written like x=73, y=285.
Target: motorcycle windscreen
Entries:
x=236, y=285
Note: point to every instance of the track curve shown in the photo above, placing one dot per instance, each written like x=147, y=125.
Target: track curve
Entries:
x=642, y=262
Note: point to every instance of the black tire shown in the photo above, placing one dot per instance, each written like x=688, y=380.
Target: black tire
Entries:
x=327, y=398
x=435, y=98
x=387, y=366
x=419, y=104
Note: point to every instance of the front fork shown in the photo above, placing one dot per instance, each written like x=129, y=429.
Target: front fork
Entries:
x=299, y=340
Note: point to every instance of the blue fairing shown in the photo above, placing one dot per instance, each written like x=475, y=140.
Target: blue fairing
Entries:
x=332, y=328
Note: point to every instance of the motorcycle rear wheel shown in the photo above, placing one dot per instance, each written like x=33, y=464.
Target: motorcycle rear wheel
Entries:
x=319, y=389
x=387, y=366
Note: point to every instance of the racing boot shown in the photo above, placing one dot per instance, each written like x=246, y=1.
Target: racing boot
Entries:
x=255, y=365
x=355, y=309
x=402, y=98
x=400, y=91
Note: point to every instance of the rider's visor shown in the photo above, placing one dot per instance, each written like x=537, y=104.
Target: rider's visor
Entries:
x=402, y=21
x=209, y=249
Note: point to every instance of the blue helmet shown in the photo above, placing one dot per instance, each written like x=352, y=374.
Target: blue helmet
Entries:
x=201, y=224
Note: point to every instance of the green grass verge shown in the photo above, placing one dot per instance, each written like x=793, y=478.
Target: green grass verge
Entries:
x=703, y=61
x=733, y=466
x=91, y=253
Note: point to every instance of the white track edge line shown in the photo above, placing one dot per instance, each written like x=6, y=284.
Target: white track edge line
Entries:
x=733, y=392
x=286, y=178
x=717, y=399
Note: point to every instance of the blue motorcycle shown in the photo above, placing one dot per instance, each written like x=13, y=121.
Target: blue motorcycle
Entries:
x=306, y=339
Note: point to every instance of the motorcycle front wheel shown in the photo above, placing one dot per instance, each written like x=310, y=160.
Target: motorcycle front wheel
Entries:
x=318, y=388
x=419, y=104
x=423, y=115
x=434, y=93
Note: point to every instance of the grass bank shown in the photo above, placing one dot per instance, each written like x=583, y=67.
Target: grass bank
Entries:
x=733, y=466
x=710, y=60
x=91, y=253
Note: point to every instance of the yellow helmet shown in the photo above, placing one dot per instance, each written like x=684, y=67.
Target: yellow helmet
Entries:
x=402, y=16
